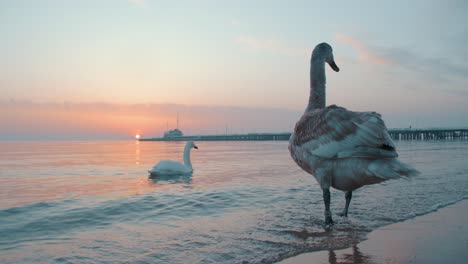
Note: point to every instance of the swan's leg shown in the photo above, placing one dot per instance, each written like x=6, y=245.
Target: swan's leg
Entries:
x=326, y=200
x=348, y=196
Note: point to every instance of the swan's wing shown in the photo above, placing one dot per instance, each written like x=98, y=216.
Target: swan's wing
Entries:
x=335, y=132
x=169, y=165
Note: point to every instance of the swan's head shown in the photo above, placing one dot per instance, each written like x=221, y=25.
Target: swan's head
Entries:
x=324, y=52
x=191, y=144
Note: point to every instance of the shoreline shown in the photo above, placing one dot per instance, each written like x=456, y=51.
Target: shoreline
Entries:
x=437, y=237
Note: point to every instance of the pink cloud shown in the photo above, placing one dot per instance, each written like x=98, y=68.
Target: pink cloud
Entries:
x=68, y=120
x=364, y=52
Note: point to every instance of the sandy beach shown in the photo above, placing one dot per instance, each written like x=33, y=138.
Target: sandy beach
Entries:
x=438, y=237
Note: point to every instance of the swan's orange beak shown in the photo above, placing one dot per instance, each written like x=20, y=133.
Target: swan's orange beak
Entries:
x=333, y=66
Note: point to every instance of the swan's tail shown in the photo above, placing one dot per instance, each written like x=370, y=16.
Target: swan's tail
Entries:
x=391, y=169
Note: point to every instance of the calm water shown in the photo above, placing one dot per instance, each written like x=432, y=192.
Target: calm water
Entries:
x=86, y=202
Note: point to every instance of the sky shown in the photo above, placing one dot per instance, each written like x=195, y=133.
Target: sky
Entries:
x=110, y=69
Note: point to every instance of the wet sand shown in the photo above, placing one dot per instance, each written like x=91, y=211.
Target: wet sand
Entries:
x=438, y=237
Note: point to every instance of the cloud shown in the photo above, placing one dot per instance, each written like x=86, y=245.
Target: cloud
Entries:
x=69, y=120
x=271, y=45
x=442, y=74
x=137, y=2
x=437, y=67
x=365, y=53
x=449, y=76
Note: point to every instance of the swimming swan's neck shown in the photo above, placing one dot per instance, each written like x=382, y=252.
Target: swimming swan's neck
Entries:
x=187, y=161
x=317, y=83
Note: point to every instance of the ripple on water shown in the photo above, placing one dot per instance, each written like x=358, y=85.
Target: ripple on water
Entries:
x=246, y=202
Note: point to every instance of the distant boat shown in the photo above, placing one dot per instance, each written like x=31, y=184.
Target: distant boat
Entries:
x=173, y=133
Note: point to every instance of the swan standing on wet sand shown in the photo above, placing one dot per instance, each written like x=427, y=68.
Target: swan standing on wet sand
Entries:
x=172, y=167
x=340, y=148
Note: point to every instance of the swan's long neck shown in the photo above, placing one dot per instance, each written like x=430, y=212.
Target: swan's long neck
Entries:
x=317, y=83
x=187, y=161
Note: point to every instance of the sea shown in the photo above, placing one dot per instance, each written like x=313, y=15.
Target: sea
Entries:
x=246, y=202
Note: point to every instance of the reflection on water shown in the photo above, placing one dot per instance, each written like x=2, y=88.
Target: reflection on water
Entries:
x=351, y=255
x=172, y=179
x=245, y=202
x=48, y=189
x=52, y=171
x=355, y=257
x=137, y=152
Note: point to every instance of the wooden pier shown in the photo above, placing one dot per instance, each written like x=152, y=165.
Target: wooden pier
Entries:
x=429, y=134
x=396, y=134
x=232, y=137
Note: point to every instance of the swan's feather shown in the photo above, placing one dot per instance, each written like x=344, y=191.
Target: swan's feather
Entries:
x=168, y=167
x=335, y=132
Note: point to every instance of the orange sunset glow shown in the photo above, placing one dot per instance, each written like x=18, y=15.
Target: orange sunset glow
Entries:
x=121, y=121
x=86, y=75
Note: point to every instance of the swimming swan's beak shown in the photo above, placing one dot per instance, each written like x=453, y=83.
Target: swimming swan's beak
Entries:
x=333, y=66
x=195, y=147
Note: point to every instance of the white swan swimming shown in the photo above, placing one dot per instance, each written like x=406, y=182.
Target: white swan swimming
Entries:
x=340, y=148
x=171, y=167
